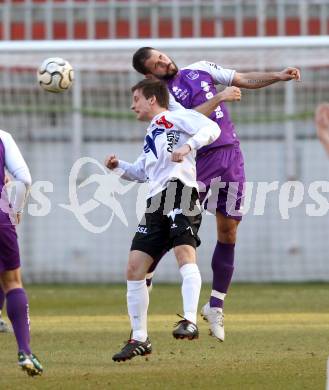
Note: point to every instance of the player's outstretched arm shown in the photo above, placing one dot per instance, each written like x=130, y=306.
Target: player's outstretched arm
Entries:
x=254, y=80
x=229, y=94
x=128, y=171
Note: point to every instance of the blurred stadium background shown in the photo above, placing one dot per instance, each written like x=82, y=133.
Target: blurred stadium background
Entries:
x=275, y=124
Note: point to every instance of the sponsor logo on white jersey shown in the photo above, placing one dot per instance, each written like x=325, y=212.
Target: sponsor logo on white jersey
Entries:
x=172, y=139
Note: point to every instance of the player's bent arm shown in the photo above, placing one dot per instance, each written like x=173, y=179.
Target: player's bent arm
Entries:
x=229, y=94
x=205, y=136
x=254, y=80
x=17, y=167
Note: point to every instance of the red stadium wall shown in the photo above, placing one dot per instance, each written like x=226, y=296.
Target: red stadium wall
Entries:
x=165, y=27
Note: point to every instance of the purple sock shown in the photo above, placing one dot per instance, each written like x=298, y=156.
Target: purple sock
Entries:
x=2, y=299
x=222, y=266
x=18, y=313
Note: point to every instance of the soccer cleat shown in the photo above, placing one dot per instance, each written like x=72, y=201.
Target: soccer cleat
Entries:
x=185, y=329
x=30, y=364
x=215, y=317
x=133, y=348
x=4, y=327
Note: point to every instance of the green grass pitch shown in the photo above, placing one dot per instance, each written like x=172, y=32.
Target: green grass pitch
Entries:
x=277, y=337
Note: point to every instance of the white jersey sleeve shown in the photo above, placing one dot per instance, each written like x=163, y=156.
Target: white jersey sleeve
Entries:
x=17, y=167
x=219, y=75
x=203, y=131
x=133, y=171
x=173, y=104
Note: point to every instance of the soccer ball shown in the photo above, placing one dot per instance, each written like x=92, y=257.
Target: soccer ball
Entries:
x=55, y=75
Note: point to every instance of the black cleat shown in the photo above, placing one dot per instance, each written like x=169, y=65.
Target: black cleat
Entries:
x=133, y=348
x=185, y=329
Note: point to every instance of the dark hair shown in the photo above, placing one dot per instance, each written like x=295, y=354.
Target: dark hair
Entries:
x=155, y=88
x=140, y=57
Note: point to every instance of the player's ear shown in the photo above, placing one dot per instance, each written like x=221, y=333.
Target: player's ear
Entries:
x=152, y=100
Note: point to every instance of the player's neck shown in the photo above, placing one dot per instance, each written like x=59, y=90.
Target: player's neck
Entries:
x=157, y=111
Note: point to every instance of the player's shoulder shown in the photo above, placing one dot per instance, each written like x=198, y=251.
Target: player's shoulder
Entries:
x=204, y=65
x=180, y=112
x=182, y=115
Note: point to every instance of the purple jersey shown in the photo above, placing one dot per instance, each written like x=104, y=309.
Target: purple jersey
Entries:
x=194, y=85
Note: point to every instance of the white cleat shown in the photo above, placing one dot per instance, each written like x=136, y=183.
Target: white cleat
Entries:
x=215, y=317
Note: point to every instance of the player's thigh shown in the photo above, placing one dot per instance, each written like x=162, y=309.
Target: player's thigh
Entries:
x=226, y=228
x=222, y=171
x=138, y=264
x=184, y=237
x=11, y=279
x=185, y=254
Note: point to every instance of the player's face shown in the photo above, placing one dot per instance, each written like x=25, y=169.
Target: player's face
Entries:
x=141, y=106
x=160, y=65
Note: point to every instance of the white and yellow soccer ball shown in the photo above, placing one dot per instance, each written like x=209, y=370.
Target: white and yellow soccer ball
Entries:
x=55, y=75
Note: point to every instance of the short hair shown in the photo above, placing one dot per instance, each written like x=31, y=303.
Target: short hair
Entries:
x=155, y=88
x=139, y=58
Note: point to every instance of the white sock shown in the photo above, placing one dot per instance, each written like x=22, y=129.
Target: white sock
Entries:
x=137, y=303
x=191, y=287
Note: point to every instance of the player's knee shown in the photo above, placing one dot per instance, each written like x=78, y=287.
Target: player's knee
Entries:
x=134, y=272
x=227, y=234
x=184, y=254
x=11, y=280
x=8, y=285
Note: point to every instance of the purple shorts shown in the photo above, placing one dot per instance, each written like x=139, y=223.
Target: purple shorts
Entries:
x=221, y=171
x=9, y=251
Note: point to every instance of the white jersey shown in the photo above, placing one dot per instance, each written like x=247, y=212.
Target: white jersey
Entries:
x=15, y=164
x=168, y=131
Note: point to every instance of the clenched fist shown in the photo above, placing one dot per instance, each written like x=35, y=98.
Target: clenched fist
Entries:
x=290, y=74
x=231, y=94
x=111, y=162
x=179, y=153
